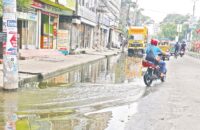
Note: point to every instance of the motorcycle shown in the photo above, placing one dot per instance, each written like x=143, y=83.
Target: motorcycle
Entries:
x=182, y=52
x=152, y=73
x=176, y=54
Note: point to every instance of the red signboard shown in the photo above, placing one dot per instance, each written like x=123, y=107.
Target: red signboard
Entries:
x=55, y=29
x=13, y=40
x=50, y=14
x=36, y=4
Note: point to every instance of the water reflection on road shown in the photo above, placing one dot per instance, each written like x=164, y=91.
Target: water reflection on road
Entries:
x=83, y=98
x=115, y=70
x=116, y=117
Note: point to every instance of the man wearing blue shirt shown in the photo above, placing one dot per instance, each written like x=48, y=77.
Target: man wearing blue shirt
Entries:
x=152, y=54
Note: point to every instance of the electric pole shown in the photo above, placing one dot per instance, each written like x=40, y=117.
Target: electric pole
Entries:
x=10, y=61
x=194, y=7
x=135, y=12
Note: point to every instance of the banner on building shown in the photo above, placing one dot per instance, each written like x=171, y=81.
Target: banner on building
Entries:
x=63, y=39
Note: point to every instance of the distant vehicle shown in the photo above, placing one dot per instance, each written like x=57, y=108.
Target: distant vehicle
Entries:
x=182, y=52
x=137, y=39
x=165, y=47
x=176, y=55
x=172, y=48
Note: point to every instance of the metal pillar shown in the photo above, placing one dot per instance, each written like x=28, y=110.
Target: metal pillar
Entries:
x=10, y=61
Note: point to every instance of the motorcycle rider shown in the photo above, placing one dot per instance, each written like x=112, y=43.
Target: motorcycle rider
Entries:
x=153, y=55
x=177, y=47
x=183, y=45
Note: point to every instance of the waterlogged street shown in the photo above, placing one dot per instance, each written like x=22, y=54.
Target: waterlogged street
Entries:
x=78, y=65
x=107, y=95
x=69, y=100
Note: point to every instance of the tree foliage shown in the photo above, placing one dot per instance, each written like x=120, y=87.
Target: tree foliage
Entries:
x=141, y=18
x=176, y=18
x=169, y=26
x=168, y=31
x=21, y=4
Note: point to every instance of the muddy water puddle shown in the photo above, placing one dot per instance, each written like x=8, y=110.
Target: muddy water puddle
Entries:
x=69, y=101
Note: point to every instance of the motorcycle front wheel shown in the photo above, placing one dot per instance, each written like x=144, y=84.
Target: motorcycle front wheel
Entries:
x=147, y=79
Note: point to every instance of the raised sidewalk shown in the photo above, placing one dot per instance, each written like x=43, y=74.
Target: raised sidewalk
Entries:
x=193, y=54
x=48, y=63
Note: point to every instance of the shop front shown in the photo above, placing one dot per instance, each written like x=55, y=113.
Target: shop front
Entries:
x=104, y=33
x=82, y=35
x=84, y=25
x=86, y=35
x=49, y=26
x=64, y=33
x=52, y=31
x=27, y=30
x=75, y=39
x=104, y=24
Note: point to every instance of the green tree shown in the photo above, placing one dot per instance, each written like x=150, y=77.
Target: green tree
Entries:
x=176, y=18
x=169, y=26
x=21, y=4
x=140, y=18
x=168, y=30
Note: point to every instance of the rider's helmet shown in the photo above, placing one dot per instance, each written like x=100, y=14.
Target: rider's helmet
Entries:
x=154, y=42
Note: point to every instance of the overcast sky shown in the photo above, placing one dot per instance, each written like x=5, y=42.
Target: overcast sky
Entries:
x=158, y=9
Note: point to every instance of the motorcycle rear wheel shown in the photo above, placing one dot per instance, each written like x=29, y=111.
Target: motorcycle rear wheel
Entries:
x=163, y=79
x=147, y=79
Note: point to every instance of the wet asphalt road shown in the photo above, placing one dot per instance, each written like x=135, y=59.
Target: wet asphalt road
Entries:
x=174, y=105
x=109, y=95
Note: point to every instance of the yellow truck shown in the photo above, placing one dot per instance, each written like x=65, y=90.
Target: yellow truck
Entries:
x=137, y=39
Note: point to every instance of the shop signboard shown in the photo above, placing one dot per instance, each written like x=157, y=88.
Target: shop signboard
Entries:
x=32, y=16
x=37, y=5
x=69, y=4
x=55, y=29
x=63, y=39
x=11, y=23
x=10, y=65
x=50, y=14
x=27, y=16
x=49, y=8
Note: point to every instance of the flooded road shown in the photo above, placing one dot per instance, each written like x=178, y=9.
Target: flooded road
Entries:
x=100, y=95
